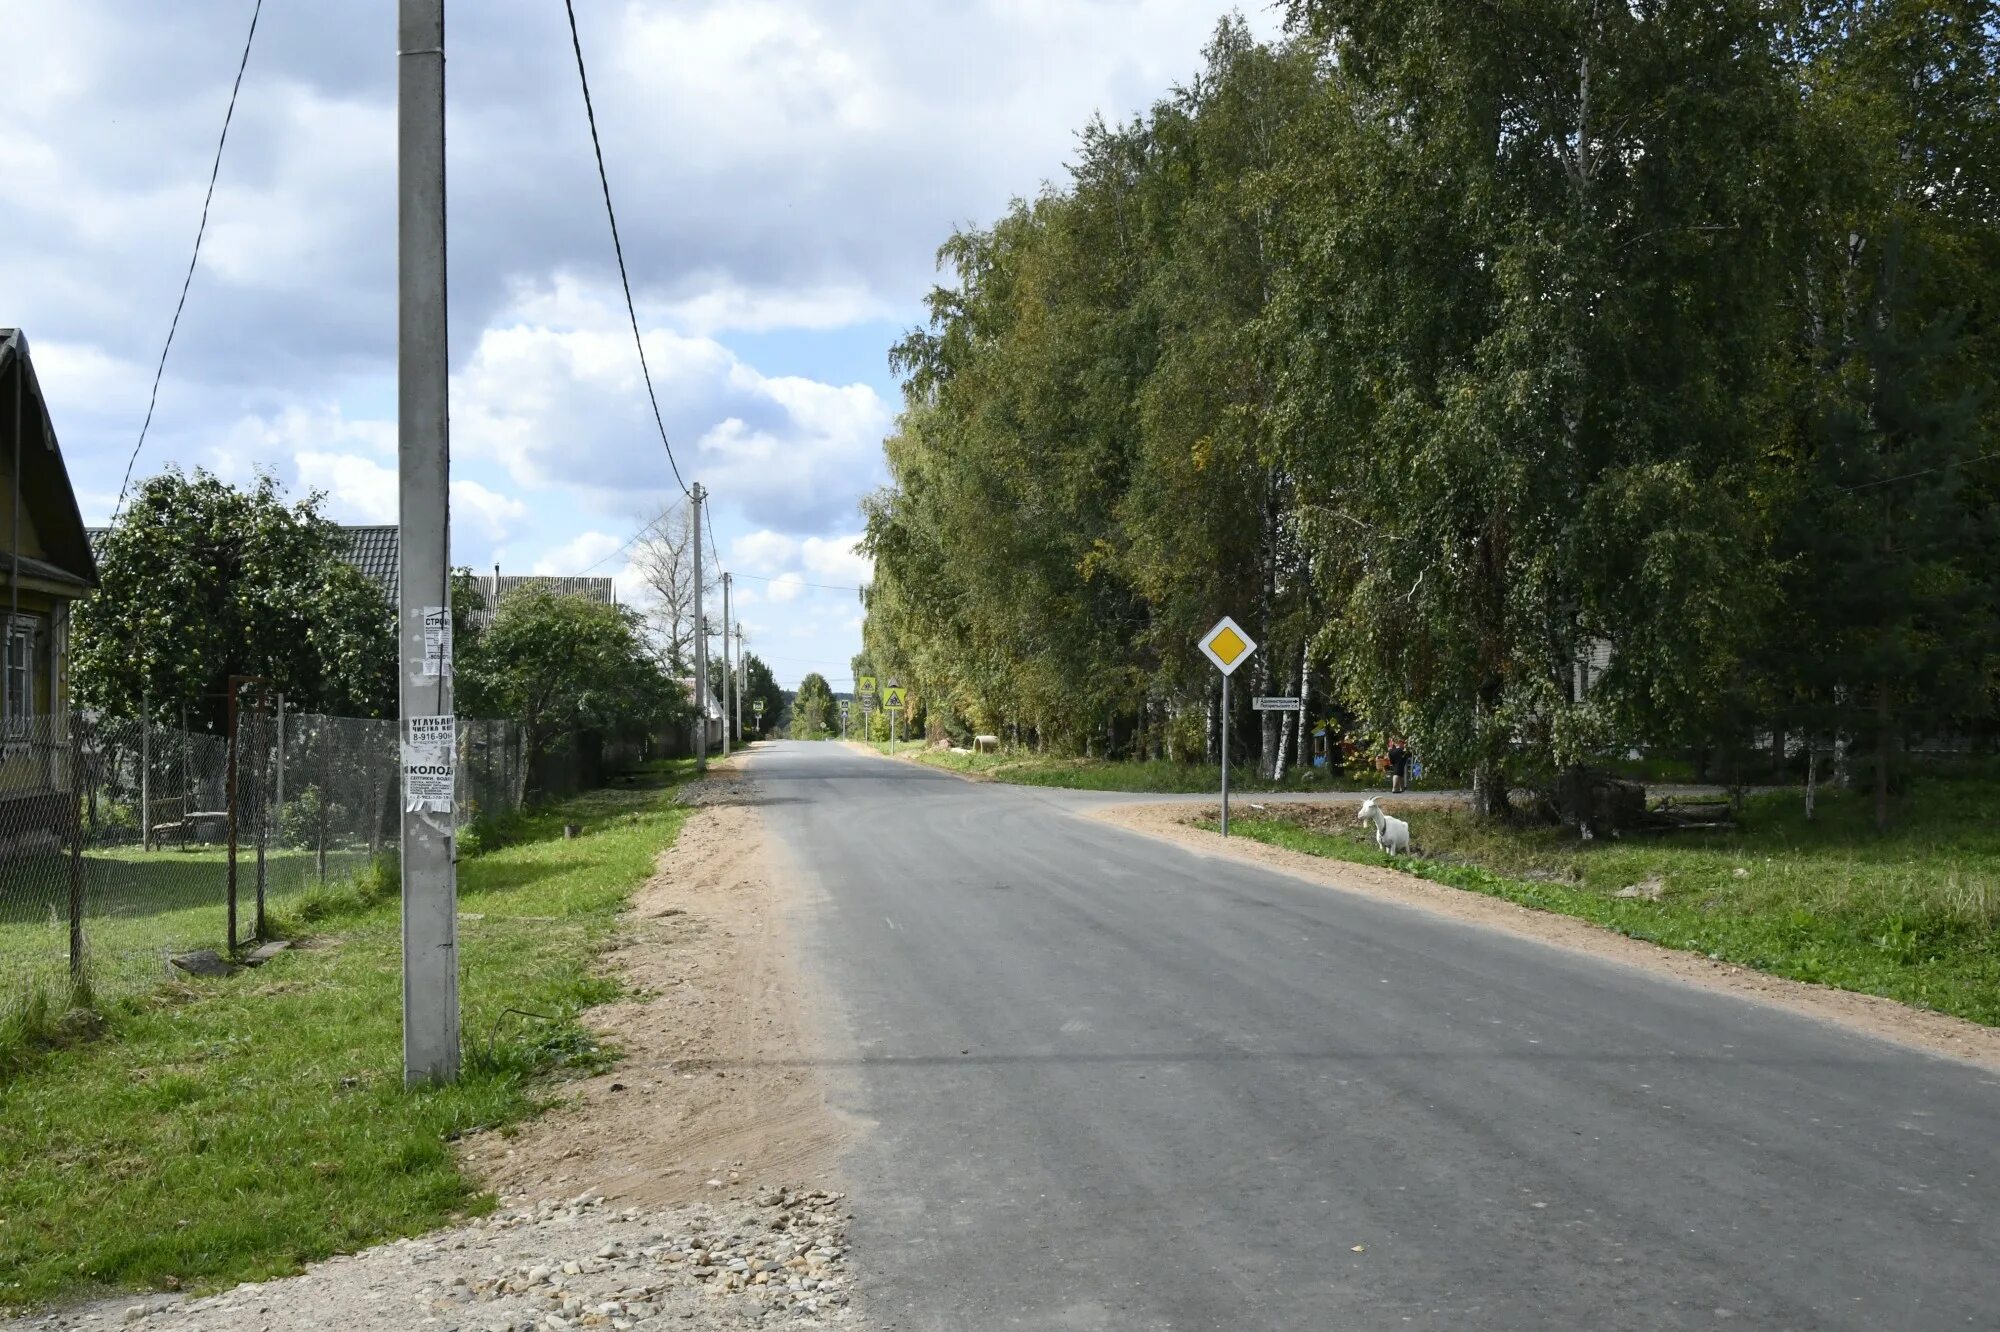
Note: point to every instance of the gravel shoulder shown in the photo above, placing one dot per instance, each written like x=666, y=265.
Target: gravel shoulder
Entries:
x=692, y=1186
x=1936, y=1033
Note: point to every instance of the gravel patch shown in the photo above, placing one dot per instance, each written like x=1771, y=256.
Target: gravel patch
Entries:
x=775, y=1261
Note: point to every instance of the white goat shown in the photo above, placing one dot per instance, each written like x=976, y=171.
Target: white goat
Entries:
x=1391, y=834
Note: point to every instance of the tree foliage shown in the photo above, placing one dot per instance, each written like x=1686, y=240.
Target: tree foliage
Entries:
x=562, y=665
x=200, y=580
x=1536, y=380
x=813, y=715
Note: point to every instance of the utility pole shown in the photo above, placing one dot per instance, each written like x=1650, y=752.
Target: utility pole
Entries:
x=728, y=675
x=700, y=643
x=430, y=879
x=738, y=677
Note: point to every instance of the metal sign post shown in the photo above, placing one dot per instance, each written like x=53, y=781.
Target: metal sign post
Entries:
x=1228, y=647
x=892, y=703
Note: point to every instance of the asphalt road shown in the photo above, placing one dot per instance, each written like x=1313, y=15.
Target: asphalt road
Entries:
x=1111, y=1083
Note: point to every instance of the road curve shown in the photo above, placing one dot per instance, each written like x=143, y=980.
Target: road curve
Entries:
x=1111, y=1083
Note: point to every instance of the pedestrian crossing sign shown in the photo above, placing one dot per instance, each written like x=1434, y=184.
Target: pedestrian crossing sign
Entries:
x=1227, y=645
x=867, y=686
x=892, y=697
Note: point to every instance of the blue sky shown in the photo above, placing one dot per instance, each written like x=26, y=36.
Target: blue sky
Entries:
x=784, y=171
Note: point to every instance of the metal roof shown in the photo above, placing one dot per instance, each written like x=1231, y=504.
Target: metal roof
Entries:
x=373, y=551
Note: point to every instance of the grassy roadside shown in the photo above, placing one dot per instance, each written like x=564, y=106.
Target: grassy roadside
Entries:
x=232, y=1130
x=1120, y=774
x=1912, y=916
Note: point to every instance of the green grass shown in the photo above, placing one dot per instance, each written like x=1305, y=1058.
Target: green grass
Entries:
x=141, y=906
x=1023, y=769
x=231, y=1130
x=1913, y=915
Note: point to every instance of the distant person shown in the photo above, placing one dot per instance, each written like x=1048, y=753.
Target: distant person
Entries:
x=1399, y=765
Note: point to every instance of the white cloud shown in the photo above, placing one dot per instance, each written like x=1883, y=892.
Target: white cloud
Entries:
x=836, y=560
x=786, y=588
x=496, y=512
x=358, y=490
x=579, y=553
x=554, y=395
x=763, y=551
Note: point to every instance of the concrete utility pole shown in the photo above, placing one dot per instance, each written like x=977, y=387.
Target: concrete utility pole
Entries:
x=738, y=677
x=700, y=643
x=728, y=675
x=430, y=880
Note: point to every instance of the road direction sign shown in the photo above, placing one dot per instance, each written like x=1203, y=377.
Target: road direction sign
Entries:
x=867, y=686
x=1262, y=704
x=892, y=695
x=1227, y=645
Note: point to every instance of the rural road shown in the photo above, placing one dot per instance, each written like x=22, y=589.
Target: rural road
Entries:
x=1111, y=1083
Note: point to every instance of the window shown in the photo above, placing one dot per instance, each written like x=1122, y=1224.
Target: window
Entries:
x=22, y=632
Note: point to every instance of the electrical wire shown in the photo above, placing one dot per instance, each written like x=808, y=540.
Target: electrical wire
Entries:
x=618, y=248
x=214, y=170
x=1911, y=476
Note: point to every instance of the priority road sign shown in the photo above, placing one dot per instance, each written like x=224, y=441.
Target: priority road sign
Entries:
x=892, y=696
x=1227, y=645
x=1265, y=704
x=867, y=686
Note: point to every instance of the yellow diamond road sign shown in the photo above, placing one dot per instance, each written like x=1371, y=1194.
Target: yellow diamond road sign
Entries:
x=1227, y=645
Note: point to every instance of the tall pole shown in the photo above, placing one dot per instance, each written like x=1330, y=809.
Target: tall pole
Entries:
x=430, y=881
x=738, y=677
x=728, y=675
x=1225, y=754
x=700, y=646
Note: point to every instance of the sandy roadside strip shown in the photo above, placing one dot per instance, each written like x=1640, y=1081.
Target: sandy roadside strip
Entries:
x=1936, y=1033
x=716, y=1078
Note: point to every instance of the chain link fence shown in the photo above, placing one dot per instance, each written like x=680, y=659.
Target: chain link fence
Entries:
x=124, y=844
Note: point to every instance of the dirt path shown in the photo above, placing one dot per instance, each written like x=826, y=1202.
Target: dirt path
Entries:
x=715, y=1087
x=690, y=1187
x=1868, y=1014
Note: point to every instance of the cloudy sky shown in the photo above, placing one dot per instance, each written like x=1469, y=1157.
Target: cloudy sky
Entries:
x=784, y=171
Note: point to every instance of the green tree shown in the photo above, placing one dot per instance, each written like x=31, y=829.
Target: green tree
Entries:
x=759, y=685
x=562, y=665
x=200, y=580
x=812, y=708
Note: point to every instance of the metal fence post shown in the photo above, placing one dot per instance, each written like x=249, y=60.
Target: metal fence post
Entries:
x=233, y=747
x=263, y=805
x=78, y=979
x=325, y=793
x=145, y=776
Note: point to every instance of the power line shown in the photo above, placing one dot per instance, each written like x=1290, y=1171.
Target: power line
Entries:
x=800, y=582
x=1911, y=476
x=617, y=247
x=214, y=170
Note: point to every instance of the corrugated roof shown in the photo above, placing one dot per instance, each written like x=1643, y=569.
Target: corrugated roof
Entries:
x=373, y=550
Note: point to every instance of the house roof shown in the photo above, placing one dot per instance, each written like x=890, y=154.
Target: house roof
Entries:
x=45, y=486
x=373, y=551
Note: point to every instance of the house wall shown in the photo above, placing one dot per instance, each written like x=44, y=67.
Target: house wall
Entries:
x=31, y=541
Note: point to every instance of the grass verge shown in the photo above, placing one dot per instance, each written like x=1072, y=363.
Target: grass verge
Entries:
x=233, y=1130
x=1141, y=775
x=1913, y=915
